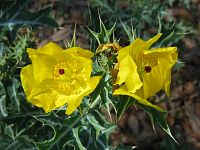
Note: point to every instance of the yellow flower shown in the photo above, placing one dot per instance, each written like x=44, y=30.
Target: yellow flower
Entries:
x=57, y=77
x=144, y=71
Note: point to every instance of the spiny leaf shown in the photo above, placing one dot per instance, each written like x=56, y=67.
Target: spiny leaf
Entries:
x=129, y=31
x=14, y=16
x=20, y=46
x=23, y=17
x=77, y=139
x=172, y=32
x=123, y=103
x=72, y=43
x=12, y=92
x=3, y=112
x=46, y=120
x=9, y=131
x=92, y=120
x=157, y=117
x=106, y=96
x=104, y=35
x=96, y=94
x=63, y=130
x=167, y=32
x=109, y=128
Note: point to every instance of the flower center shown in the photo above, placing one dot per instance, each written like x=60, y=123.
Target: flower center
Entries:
x=61, y=71
x=147, y=69
x=69, y=77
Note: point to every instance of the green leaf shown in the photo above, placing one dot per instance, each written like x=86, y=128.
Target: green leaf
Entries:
x=106, y=95
x=97, y=69
x=62, y=125
x=72, y=43
x=109, y=128
x=23, y=17
x=3, y=112
x=172, y=32
x=21, y=142
x=157, y=117
x=92, y=120
x=96, y=94
x=129, y=31
x=50, y=120
x=14, y=15
x=104, y=35
x=167, y=32
x=77, y=139
x=9, y=131
x=13, y=96
x=94, y=26
x=20, y=47
x=123, y=103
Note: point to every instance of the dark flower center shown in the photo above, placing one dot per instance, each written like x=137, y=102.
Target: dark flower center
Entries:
x=61, y=71
x=147, y=69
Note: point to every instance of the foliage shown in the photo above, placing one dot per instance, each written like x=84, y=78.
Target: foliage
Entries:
x=141, y=15
x=24, y=126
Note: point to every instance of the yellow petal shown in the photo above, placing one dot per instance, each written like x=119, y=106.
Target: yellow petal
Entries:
x=167, y=76
x=94, y=81
x=168, y=53
x=133, y=49
x=46, y=100
x=72, y=105
x=27, y=78
x=71, y=108
x=50, y=49
x=44, y=60
x=73, y=101
x=33, y=89
x=124, y=70
x=151, y=41
x=159, y=78
x=128, y=74
x=123, y=91
x=161, y=50
x=43, y=66
x=167, y=80
x=30, y=85
x=36, y=102
x=137, y=46
x=86, y=64
x=31, y=52
x=80, y=52
x=153, y=81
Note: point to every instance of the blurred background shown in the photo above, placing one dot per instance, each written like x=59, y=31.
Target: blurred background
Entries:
x=181, y=20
